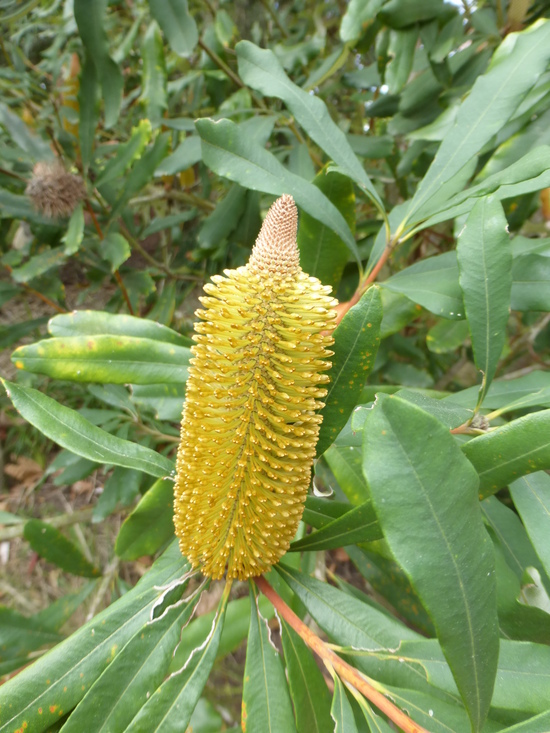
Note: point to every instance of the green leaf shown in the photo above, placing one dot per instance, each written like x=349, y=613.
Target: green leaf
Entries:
x=345, y=619
x=538, y=724
x=359, y=15
x=106, y=359
x=516, y=66
x=229, y=152
x=530, y=173
x=10, y=334
x=136, y=671
x=13, y=205
x=450, y=415
x=457, y=585
x=153, y=92
x=49, y=543
x=531, y=286
x=308, y=689
x=322, y=252
x=186, y=155
x=60, y=611
x=356, y=341
x=120, y=490
x=389, y=581
x=261, y=70
x=56, y=682
x=39, y=264
x=177, y=24
x=89, y=19
x=126, y=153
x=75, y=231
x=88, y=102
x=531, y=496
x=115, y=249
x=37, y=148
x=346, y=465
x=341, y=710
x=447, y=336
x=433, y=283
x=266, y=704
x=360, y=524
x=92, y=323
x=142, y=172
x=509, y=532
x=165, y=401
x=516, y=619
x=150, y=525
x=523, y=677
x=70, y=430
x=170, y=707
x=20, y=635
x=516, y=449
x=484, y=263
x=401, y=52
x=530, y=390
x=235, y=630
x=319, y=512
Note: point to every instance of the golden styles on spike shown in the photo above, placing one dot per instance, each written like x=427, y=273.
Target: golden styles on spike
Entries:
x=250, y=421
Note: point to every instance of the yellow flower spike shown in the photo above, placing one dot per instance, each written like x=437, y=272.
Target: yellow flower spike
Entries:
x=249, y=425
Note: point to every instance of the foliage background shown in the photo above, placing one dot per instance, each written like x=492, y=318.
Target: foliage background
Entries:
x=185, y=123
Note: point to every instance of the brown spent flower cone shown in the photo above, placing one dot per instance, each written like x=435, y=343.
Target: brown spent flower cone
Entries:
x=250, y=425
x=54, y=192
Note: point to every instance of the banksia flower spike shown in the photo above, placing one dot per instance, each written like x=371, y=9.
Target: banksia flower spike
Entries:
x=249, y=425
x=54, y=192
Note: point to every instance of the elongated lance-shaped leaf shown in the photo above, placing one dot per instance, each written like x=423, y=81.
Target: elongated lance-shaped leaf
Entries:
x=261, y=69
x=516, y=66
x=70, y=430
x=97, y=323
x=170, y=708
x=266, y=704
x=88, y=102
x=54, y=684
x=229, y=152
x=153, y=93
x=150, y=525
x=516, y=449
x=433, y=284
x=529, y=173
x=538, y=724
x=375, y=722
x=425, y=495
x=356, y=343
x=106, y=359
x=341, y=710
x=125, y=155
x=90, y=21
x=322, y=252
x=308, y=688
x=523, y=677
x=485, y=267
x=54, y=547
x=177, y=24
x=136, y=672
x=531, y=495
x=360, y=524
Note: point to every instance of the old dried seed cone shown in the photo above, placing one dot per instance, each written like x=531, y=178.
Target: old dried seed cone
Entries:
x=249, y=424
x=53, y=191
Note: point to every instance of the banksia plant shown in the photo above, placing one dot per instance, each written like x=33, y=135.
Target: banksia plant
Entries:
x=250, y=422
x=53, y=191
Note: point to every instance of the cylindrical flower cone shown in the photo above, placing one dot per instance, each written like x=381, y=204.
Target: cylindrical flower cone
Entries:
x=250, y=422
